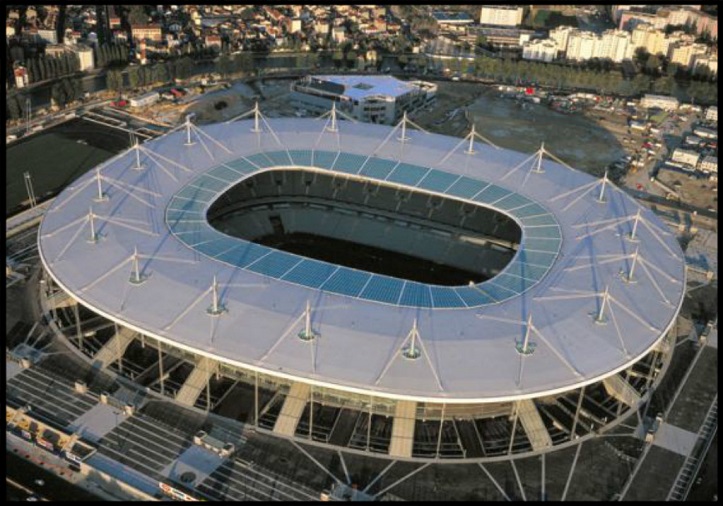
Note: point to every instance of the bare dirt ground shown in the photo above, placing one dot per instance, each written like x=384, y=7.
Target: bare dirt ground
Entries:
x=574, y=138
x=580, y=140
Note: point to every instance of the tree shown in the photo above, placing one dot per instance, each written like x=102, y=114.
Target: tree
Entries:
x=641, y=55
x=77, y=87
x=641, y=83
x=114, y=80
x=338, y=57
x=33, y=70
x=68, y=90
x=665, y=85
x=652, y=64
x=161, y=72
x=133, y=77
x=672, y=69
x=223, y=65
x=13, y=108
x=625, y=87
x=58, y=94
x=184, y=68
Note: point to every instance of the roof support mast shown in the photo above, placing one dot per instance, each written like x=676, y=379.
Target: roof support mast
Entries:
x=600, y=318
x=601, y=197
x=188, y=131
x=635, y=226
x=257, y=116
x=628, y=278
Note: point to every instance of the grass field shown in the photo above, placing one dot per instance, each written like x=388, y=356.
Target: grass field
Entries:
x=55, y=158
x=552, y=19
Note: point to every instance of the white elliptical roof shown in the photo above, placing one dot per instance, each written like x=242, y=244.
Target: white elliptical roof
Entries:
x=468, y=352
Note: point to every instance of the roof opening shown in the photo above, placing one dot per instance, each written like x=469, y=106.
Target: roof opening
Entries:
x=369, y=225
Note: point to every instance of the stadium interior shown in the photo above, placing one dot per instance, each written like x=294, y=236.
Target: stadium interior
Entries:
x=369, y=226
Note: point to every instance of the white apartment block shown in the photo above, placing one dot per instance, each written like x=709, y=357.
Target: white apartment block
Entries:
x=501, y=15
x=649, y=37
x=709, y=164
x=581, y=45
x=540, y=50
x=711, y=113
x=615, y=45
x=561, y=36
x=709, y=61
x=685, y=157
x=85, y=54
x=684, y=53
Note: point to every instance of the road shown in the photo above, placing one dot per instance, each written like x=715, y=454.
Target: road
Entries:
x=56, y=118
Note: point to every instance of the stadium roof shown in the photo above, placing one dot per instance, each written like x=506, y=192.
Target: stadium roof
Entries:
x=130, y=241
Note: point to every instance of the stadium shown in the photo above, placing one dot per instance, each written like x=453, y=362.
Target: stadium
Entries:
x=367, y=288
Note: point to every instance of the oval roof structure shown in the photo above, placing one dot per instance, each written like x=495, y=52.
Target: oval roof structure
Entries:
x=130, y=240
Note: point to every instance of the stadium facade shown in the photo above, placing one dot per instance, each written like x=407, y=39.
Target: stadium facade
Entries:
x=152, y=271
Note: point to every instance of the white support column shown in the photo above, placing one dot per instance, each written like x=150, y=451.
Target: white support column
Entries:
x=572, y=470
x=601, y=197
x=188, y=131
x=628, y=278
x=381, y=492
x=257, y=115
x=292, y=409
x=78, y=330
x=160, y=368
x=631, y=237
x=404, y=137
x=542, y=479
x=216, y=308
x=412, y=351
x=577, y=413
x=256, y=399
x=369, y=425
x=470, y=150
x=402, y=439
x=526, y=348
x=514, y=428
x=137, y=148
x=307, y=334
x=311, y=413
x=29, y=188
x=101, y=196
x=439, y=435
x=135, y=278
x=376, y=479
x=333, y=128
x=538, y=166
x=93, y=236
x=600, y=318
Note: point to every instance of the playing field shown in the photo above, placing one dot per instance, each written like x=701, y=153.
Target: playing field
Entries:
x=56, y=157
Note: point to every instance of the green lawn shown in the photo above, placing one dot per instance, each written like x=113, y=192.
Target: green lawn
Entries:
x=53, y=161
x=552, y=19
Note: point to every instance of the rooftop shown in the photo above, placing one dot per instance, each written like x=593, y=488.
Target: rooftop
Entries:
x=359, y=87
x=585, y=319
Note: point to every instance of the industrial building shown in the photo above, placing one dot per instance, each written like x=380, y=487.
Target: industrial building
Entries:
x=372, y=99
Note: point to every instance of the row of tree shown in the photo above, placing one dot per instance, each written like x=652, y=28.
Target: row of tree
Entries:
x=181, y=68
x=51, y=67
x=110, y=54
x=15, y=106
x=570, y=77
x=66, y=91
